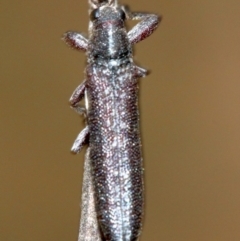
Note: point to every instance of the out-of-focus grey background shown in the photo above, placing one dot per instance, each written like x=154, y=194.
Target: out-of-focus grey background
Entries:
x=190, y=119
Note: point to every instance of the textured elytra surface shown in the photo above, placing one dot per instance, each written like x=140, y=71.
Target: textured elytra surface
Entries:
x=115, y=149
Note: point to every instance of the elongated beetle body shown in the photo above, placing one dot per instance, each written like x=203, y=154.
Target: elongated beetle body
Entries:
x=114, y=181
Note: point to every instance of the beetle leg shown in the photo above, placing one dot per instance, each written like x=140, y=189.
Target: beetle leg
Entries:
x=76, y=40
x=81, y=140
x=76, y=97
x=149, y=22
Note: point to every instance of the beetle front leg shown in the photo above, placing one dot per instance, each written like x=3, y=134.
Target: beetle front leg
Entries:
x=75, y=40
x=149, y=22
x=76, y=97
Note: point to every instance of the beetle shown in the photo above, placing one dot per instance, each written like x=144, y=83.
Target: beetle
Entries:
x=114, y=172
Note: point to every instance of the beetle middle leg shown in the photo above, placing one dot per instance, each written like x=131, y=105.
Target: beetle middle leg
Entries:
x=83, y=136
x=76, y=97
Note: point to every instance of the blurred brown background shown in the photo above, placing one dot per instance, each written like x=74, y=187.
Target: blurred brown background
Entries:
x=190, y=120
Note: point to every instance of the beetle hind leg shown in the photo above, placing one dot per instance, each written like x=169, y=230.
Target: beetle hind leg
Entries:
x=81, y=140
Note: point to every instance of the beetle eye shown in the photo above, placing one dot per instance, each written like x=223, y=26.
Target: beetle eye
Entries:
x=122, y=14
x=95, y=14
